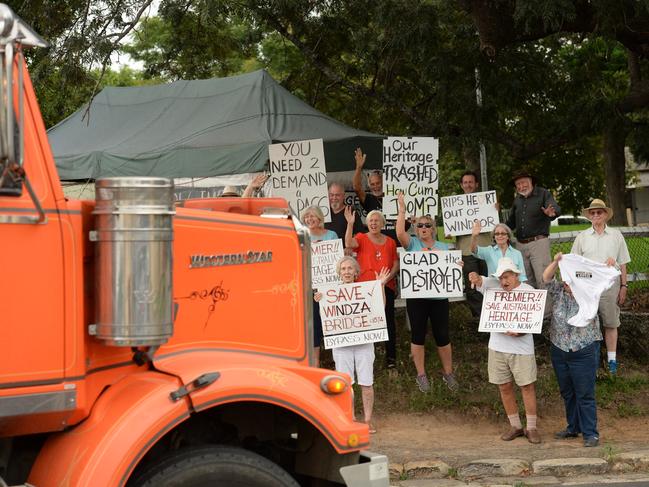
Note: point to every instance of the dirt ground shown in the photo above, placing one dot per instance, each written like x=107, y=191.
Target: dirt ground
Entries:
x=457, y=439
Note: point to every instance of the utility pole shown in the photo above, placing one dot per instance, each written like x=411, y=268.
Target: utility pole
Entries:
x=484, y=183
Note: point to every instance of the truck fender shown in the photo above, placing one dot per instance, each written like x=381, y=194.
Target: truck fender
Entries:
x=285, y=384
x=128, y=418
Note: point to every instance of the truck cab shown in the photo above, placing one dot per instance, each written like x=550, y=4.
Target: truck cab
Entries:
x=146, y=343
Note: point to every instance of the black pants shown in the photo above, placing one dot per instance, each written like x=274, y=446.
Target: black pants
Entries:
x=391, y=344
x=473, y=296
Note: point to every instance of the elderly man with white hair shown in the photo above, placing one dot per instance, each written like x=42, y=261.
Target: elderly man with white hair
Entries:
x=602, y=243
x=511, y=357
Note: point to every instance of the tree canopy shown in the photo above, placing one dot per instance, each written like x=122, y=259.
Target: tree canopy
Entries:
x=562, y=81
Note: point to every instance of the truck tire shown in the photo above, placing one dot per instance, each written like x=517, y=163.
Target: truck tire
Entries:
x=214, y=466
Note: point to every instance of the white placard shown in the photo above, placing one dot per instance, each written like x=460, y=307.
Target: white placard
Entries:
x=298, y=174
x=353, y=314
x=427, y=274
x=410, y=165
x=459, y=212
x=324, y=257
x=519, y=311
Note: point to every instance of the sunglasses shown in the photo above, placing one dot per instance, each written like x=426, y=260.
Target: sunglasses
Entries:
x=424, y=225
x=500, y=234
x=597, y=212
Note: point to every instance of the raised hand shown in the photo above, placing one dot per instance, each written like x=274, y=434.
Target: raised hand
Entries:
x=549, y=211
x=359, y=157
x=350, y=215
x=259, y=180
x=383, y=276
x=476, y=227
x=401, y=202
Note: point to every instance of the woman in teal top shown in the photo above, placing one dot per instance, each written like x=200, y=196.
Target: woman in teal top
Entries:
x=422, y=310
x=313, y=218
x=502, y=236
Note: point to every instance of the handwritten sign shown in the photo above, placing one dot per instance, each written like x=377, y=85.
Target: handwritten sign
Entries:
x=517, y=311
x=431, y=274
x=459, y=212
x=410, y=165
x=324, y=257
x=298, y=174
x=353, y=314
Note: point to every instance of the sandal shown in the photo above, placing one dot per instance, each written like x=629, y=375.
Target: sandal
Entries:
x=371, y=427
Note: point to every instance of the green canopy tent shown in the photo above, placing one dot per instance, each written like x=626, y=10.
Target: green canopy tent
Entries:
x=198, y=128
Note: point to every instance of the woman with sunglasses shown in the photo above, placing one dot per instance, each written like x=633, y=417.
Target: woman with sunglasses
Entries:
x=502, y=237
x=422, y=310
x=313, y=218
x=375, y=252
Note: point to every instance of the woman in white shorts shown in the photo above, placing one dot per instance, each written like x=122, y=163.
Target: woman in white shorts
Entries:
x=358, y=360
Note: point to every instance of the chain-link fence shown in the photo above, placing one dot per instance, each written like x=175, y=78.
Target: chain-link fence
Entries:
x=637, y=240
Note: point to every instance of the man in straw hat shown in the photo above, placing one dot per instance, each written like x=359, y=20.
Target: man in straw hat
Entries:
x=511, y=357
x=533, y=209
x=602, y=243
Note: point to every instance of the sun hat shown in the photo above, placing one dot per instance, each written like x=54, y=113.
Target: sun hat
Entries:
x=230, y=191
x=506, y=264
x=597, y=204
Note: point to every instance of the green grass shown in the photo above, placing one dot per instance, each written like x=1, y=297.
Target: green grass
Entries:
x=398, y=392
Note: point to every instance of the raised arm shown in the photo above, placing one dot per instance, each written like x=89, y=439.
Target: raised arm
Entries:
x=255, y=185
x=548, y=273
x=350, y=216
x=357, y=181
x=475, y=231
x=402, y=235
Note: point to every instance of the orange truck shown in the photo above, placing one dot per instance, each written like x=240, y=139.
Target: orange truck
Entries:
x=144, y=344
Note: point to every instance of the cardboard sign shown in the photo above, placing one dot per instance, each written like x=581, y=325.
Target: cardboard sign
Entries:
x=353, y=314
x=427, y=274
x=410, y=165
x=461, y=210
x=298, y=174
x=516, y=311
x=324, y=257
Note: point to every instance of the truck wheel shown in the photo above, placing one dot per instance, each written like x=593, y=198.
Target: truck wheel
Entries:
x=214, y=466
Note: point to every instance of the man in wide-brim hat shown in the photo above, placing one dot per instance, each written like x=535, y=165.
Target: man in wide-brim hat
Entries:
x=602, y=243
x=533, y=210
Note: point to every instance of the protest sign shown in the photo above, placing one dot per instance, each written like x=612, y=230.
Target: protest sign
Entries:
x=324, y=257
x=353, y=314
x=298, y=174
x=461, y=210
x=519, y=311
x=410, y=165
x=427, y=274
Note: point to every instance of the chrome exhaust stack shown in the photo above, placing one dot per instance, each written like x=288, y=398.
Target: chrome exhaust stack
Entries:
x=133, y=261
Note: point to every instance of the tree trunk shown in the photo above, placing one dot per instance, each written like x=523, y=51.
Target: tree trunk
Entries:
x=614, y=168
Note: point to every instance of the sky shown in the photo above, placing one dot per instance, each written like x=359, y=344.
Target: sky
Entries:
x=120, y=59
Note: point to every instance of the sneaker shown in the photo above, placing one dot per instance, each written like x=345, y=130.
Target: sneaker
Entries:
x=512, y=433
x=612, y=367
x=422, y=382
x=390, y=363
x=591, y=442
x=565, y=434
x=451, y=382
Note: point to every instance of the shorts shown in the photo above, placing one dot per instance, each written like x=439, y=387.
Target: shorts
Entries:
x=358, y=358
x=505, y=367
x=609, y=311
